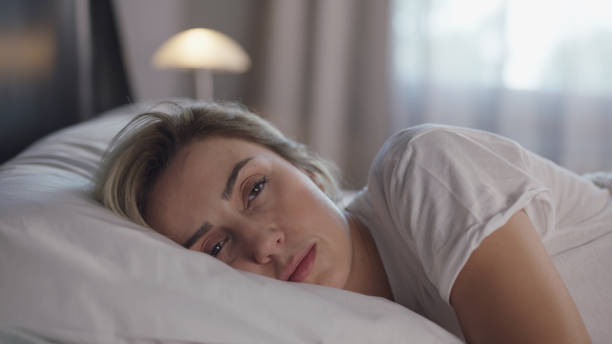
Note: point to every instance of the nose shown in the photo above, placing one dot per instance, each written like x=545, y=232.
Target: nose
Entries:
x=265, y=244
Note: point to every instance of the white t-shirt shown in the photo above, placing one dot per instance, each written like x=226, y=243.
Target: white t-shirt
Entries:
x=435, y=192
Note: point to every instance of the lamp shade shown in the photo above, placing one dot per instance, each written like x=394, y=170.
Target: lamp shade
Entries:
x=202, y=49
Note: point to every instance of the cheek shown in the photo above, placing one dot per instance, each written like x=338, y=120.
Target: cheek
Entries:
x=320, y=218
x=309, y=205
x=334, y=261
x=244, y=266
x=301, y=206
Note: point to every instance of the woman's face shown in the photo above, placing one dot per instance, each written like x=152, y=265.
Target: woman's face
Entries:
x=250, y=208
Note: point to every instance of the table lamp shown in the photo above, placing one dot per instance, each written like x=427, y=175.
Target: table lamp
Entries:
x=202, y=51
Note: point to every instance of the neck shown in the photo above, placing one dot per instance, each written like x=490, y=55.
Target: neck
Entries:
x=367, y=275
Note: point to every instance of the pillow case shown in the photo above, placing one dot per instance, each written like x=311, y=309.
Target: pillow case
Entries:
x=71, y=271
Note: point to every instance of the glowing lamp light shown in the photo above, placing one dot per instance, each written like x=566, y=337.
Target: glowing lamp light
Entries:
x=202, y=50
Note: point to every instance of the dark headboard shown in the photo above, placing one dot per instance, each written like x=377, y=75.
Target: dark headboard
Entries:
x=60, y=63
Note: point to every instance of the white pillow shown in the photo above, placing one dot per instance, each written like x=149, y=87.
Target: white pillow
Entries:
x=71, y=271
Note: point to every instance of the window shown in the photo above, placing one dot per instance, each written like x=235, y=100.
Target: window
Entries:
x=548, y=45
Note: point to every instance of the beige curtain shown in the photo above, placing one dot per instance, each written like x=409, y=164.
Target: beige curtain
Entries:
x=322, y=76
x=537, y=72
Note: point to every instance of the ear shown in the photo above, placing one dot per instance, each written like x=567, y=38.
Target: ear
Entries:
x=315, y=179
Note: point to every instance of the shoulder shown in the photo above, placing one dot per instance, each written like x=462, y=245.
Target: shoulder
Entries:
x=471, y=165
x=446, y=188
x=413, y=135
x=428, y=143
x=405, y=140
x=438, y=135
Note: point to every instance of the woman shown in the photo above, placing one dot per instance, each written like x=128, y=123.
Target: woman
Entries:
x=462, y=226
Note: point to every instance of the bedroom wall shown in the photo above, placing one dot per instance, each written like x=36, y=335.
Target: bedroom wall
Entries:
x=38, y=52
x=52, y=73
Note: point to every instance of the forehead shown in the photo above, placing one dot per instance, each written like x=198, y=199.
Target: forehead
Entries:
x=218, y=144
x=216, y=155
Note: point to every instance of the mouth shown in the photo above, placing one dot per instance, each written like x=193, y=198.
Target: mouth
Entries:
x=301, y=266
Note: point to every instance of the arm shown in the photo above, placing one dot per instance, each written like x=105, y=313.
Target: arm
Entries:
x=510, y=292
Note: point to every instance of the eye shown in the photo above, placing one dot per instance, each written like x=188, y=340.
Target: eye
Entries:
x=255, y=190
x=216, y=249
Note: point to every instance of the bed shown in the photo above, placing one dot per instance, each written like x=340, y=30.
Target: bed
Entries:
x=74, y=272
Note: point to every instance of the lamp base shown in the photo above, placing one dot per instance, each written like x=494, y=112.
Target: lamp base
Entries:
x=203, y=85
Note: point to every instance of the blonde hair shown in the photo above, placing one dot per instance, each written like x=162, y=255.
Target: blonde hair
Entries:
x=147, y=145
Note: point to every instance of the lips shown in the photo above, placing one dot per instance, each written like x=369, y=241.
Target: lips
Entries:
x=301, y=265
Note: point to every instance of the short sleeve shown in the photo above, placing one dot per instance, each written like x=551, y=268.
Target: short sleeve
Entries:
x=449, y=188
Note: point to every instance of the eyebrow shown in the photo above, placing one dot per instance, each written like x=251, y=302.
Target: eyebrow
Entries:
x=231, y=180
x=197, y=235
